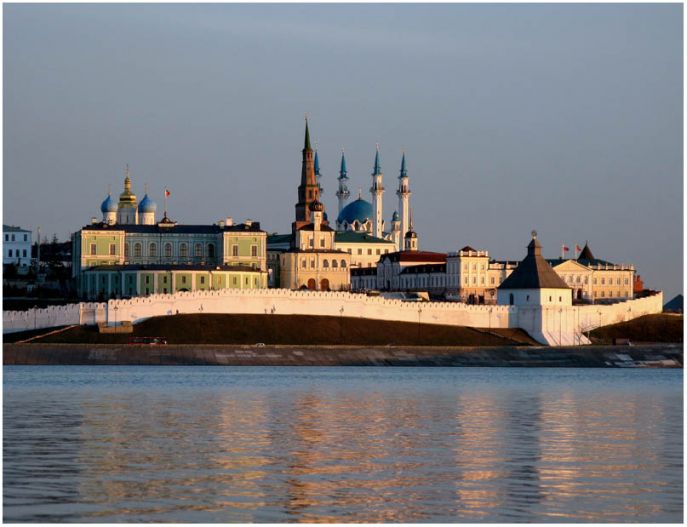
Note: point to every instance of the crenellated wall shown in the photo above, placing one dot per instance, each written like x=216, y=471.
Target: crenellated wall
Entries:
x=554, y=325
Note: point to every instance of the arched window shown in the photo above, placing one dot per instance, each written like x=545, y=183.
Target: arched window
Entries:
x=152, y=249
x=325, y=264
x=198, y=250
x=183, y=250
x=211, y=250
x=335, y=264
x=137, y=250
x=168, y=250
x=343, y=264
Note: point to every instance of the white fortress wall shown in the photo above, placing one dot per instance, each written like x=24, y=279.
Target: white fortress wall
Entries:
x=553, y=325
x=286, y=302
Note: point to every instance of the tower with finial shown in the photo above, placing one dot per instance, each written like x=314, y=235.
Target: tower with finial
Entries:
x=342, y=194
x=403, y=194
x=309, y=189
x=411, y=236
x=396, y=234
x=377, y=191
x=127, y=211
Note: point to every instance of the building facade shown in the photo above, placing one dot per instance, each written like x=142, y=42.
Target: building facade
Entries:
x=16, y=247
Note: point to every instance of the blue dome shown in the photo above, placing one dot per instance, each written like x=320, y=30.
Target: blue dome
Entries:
x=359, y=210
x=395, y=216
x=147, y=205
x=108, y=205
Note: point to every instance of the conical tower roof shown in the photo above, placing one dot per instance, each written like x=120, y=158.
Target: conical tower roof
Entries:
x=534, y=272
x=586, y=253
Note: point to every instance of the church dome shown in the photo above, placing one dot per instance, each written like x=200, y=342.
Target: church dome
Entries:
x=108, y=205
x=395, y=216
x=147, y=205
x=359, y=210
x=411, y=234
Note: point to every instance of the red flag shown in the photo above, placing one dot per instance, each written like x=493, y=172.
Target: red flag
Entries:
x=578, y=248
x=566, y=248
x=167, y=193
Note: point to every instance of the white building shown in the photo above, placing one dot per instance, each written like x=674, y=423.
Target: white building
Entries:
x=17, y=246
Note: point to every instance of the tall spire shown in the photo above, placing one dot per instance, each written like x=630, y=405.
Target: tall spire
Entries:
x=307, y=135
x=404, y=171
x=343, y=173
x=317, y=164
x=377, y=167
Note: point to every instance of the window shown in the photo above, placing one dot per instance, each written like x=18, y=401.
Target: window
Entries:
x=304, y=264
x=311, y=242
x=13, y=238
x=24, y=253
x=550, y=299
x=152, y=249
x=312, y=263
x=560, y=299
x=379, y=251
x=234, y=280
x=198, y=250
x=183, y=279
x=603, y=281
x=350, y=251
x=137, y=250
x=25, y=238
x=234, y=250
x=202, y=280
x=617, y=282
x=626, y=282
x=321, y=242
x=325, y=264
x=183, y=250
x=93, y=249
x=528, y=298
x=211, y=250
x=335, y=265
x=360, y=251
x=369, y=252
x=343, y=264
x=10, y=255
x=113, y=249
x=492, y=280
x=147, y=279
x=386, y=251
x=168, y=250
x=164, y=279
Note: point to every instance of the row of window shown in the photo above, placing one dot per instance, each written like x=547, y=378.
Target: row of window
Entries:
x=198, y=250
x=16, y=253
x=325, y=264
x=578, y=279
x=7, y=237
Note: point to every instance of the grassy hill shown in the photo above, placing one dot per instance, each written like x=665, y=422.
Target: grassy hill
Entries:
x=661, y=327
x=295, y=330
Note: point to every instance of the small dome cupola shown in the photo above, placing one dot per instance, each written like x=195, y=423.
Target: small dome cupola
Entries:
x=147, y=205
x=395, y=216
x=316, y=206
x=109, y=205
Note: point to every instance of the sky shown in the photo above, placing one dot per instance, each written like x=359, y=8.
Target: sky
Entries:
x=566, y=119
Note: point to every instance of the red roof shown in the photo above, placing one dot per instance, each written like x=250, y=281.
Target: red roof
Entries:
x=416, y=256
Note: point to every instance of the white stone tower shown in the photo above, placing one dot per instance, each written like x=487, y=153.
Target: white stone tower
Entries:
x=403, y=194
x=411, y=237
x=342, y=194
x=377, y=191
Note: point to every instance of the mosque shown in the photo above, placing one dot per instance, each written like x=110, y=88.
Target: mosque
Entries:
x=296, y=260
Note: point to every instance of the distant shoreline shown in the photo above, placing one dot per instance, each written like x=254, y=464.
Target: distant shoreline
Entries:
x=646, y=355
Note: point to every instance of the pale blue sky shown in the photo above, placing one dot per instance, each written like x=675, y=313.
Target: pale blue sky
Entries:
x=562, y=118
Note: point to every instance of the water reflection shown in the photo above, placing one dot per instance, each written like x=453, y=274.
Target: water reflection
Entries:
x=341, y=445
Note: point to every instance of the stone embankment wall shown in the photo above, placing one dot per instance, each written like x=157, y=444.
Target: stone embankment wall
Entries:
x=549, y=325
x=657, y=356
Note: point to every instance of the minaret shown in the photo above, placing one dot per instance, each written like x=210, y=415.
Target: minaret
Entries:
x=317, y=171
x=377, y=191
x=127, y=213
x=342, y=194
x=309, y=189
x=403, y=194
x=396, y=234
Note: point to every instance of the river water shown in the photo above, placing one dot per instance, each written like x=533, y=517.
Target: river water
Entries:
x=263, y=444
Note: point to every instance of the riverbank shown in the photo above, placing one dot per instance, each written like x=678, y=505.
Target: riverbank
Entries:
x=656, y=355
